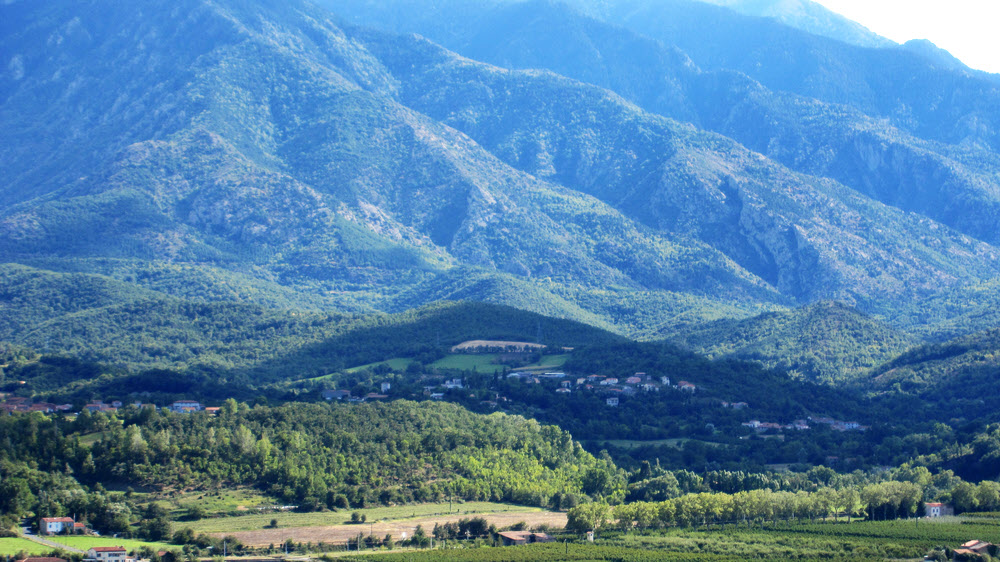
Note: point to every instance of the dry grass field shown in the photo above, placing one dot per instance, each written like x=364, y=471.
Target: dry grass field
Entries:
x=339, y=534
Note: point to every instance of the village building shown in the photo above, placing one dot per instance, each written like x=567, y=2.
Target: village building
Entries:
x=937, y=509
x=185, y=406
x=336, y=394
x=972, y=550
x=106, y=554
x=612, y=401
x=55, y=525
x=686, y=386
x=41, y=559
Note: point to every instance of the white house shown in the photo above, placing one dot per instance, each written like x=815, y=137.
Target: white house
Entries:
x=184, y=406
x=55, y=525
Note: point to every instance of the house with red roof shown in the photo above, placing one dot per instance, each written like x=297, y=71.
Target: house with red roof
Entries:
x=937, y=509
x=106, y=554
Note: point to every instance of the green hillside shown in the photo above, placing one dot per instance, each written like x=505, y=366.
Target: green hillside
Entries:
x=952, y=313
x=960, y=371
x=824, y=342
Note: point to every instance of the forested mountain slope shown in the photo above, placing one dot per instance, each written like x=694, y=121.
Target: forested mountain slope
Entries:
x=288, y=158
x=955, y=185
x=279, y=158
x=825, y=341
x=793, y=231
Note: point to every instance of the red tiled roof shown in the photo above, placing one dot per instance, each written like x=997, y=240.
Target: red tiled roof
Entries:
x=108, y=549
x=57, y=519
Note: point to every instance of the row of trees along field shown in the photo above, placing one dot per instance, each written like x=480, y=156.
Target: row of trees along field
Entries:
x=887, y=500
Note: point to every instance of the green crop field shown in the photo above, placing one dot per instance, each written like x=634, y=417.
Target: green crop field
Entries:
x=12, y=545
x=84, y=542
x=320, y=519
x=553, y=360
x=396, y=364
x=483, y=363
x=858, y=540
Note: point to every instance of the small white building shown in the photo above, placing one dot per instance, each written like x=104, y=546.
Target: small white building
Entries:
x=107, y=554
x=55, y=525
x=185, y=406
x=938, y=510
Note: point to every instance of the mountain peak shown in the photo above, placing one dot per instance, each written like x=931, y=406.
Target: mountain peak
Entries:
x=808, y=16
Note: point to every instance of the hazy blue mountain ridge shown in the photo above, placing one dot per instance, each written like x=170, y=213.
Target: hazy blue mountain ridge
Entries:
x=811, y=17
x=951, y=184
x=790, y=230
x=286, y=155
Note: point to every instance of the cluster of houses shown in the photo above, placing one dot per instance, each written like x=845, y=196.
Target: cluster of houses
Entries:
x=613, y=387
x=346, y=396
x=20, y=404
x=801, y=425
x=764, y=426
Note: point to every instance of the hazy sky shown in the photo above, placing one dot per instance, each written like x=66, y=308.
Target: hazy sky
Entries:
x=967, y=29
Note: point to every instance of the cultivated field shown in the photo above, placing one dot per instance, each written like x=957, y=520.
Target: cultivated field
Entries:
x=331, y=528
x=477, y=344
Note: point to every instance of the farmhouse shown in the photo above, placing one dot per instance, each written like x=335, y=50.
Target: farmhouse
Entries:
x=106, y=554
x=938, y=510
x=185, y=406
x=55, y=525
x=336, y=394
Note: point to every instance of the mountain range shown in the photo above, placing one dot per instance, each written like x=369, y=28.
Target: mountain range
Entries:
x=644, y=167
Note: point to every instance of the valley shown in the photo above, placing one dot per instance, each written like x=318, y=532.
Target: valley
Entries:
x=621, y=280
